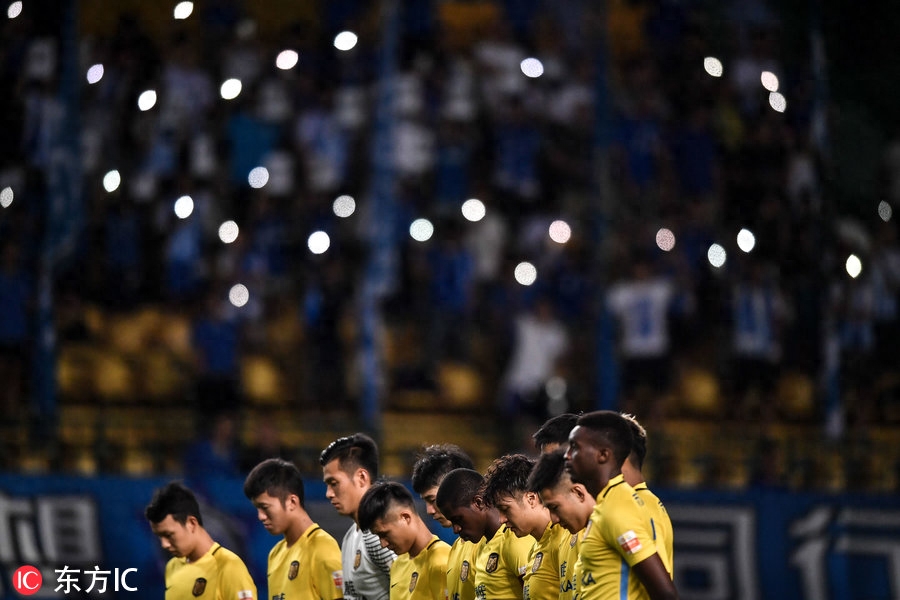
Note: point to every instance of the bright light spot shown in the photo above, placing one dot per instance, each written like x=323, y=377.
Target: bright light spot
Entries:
x=183, y=10
x=556, y=388
x=665, y=239
x=112, y=180
x=532, y=67
x=473, y=209
x=885, y=211
x=525, y=273
x=14, y=10
x=95, y=74
x=769, y=80
x=239, y=295
x=560, y=232
x=344, y=206
x=147, y=100
x=713, y=66
x=258, y=177
x=421, y=230
x=318, y=242
x=228, y=231
x=853, y=266
x=345, y=40
x=716, y=255
x=230, y=89
x=777, y=101
x=6, y=197
x=746, y=240
x=184, y=206
x=287, y=59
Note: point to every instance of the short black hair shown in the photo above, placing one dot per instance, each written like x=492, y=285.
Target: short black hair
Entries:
x=555, y=430
x=548, y=470
x=459, y=487
x=434, y=462
x=507, y=476
x=638, y=441
x=379, y=499
x=277, y=477
x=613, y=429
x=353, y=452
x=174, y=499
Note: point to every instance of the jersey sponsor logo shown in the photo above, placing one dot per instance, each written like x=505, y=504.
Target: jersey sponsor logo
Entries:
x=538, y=559
x=357, y=559
x=464, y=570
x=629, y=542
x=293, y=570
x=245, y=595
x=413, y=580
x=199, y=587
x=338, y=578
x=493, y=562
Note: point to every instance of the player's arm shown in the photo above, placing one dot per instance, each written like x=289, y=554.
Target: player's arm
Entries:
x=656, y=579
x=328, y=572
x=237, y=583
x=437, y=575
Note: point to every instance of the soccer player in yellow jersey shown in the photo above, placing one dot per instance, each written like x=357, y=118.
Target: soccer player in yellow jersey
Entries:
x=554, y=433
x=200, y=568
x=570, y=505
x=306, y=563
x=662, y=525
x=505, y=488
x=500, y=563
x=419, y=572
x=618, y=559
x=432, y=464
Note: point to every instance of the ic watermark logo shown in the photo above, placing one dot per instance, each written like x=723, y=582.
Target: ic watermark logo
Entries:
x=27, y=580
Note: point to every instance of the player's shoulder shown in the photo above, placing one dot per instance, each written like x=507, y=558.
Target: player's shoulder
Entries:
x=224, y=556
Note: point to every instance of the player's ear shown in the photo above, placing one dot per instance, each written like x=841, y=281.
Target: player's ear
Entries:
x=532, y=499
x=362, y=477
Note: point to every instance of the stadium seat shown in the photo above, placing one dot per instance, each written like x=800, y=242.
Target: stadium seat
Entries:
x=796, y=397
x=459, y=386
x=113, y=377
x=174, y=334
x=698, y=391
x=161, y=376
x=75, y=371
x=262, y=380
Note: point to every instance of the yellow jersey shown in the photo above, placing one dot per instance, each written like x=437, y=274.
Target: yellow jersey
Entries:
x=663, y=533
x=461, y=569
x=219, y=574
x=568, y=557
x=500, y=566
x=308, y=570
x=541, y=580
x=423, y=577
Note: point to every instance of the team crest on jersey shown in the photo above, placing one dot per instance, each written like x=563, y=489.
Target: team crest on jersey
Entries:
x=464, y=570
x=493, y=562
x=293, y=570
x=573, y=541
x=538, y=559
x=357, y=559
x=199, y=587
x=413, y=580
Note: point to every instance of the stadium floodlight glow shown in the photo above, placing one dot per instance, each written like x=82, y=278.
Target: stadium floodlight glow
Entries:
x=344, y=206
x=716, y=255
x=556, y=388
x=147, y=100
x=769, y=80
x=885, y=211
x=778, y=102
x=184, y=206
x=665, y=239
x=183, y=10
x=345, y=40
x=228, y=231
x=532, y=67
x=112, y=180
x=473, y=210
x=525, y=273
x=239, y=295
x=560, y=231
x=6, y=197
x=318, y=242
x=14, y=10
x=287, y=59
x=95, y=73
x=746, y=241
x=853, y=266
x=421, y=230
x=713, y=66
x=231, y=89
x=258, y=177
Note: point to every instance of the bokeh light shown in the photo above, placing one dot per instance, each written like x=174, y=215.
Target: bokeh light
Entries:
x=716, y=255
x=184, y=206
x=769, y=80
x=556, y=388
x=421, y=230
x=344, y=206
x=473, y=210
x=112, y=180
x=853, y=266
x=345, y=40
x=183, y=10
x=228, y=231
x=665, y=239
x=746, y=241
x=258, y=177
x=777, y=102
x=14, y=10
x=231, y=89
x=147, y=100
x=6, y=197
x=560, y=231
x=318, y=242
x=885, y=211
x=525, y=273
x=532, y=67
x=287, y=59
x=95, y=73
x=713, y=66
x=239, y=295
